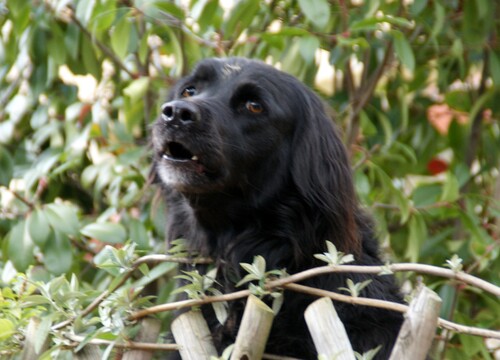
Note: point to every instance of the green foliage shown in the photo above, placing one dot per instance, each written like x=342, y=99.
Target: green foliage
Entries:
x=334, y=257
x=369, y=355
x=257, y=277
x=412, y=84
x=354, y=289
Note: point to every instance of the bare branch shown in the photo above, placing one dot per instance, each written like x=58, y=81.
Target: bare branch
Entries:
x=127, y=345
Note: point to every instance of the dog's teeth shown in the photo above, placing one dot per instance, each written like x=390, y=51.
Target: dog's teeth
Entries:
x=194, y=158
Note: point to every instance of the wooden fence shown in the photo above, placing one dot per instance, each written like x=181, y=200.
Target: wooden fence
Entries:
x=194, y=342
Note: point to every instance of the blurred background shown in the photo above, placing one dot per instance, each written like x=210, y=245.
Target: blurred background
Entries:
x=414, y=85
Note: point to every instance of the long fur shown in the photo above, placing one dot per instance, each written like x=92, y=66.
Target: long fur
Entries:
x=277, y=184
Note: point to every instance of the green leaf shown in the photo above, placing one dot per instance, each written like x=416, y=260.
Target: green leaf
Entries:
x=137, y=88
x=439, y=19
x=105, y=13
x=157, y=272
x=241, y=16
x=308, y=46
x=403, y=204
x=451, y=188
x=89, y=58
x=55, y=51
x=107, y=259
x=220, y=309
x=152, y=8
x=84, y=10
x=38, y=227
x=20, y=250
x=417, y=6
x=206, y=16
x=62, y=218
x=316, y=11
x=458, y=100
x=106, y=232
x=138, y=234
x=368, y=355
x=120, y=37
x=6, y=167
x=416, y=237
x=57, y=253
x=474, y=28
x=373, y=23
x=7, y=329
x=403, y=50
x=36, y=300
x=494, y=62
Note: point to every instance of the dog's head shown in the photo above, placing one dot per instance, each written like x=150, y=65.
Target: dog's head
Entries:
x=237, y=126
x=223, y=125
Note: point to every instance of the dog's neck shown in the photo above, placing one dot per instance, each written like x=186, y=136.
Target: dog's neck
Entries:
x=217, y=211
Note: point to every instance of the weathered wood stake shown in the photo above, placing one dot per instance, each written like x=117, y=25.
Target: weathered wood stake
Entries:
x=30, y=352
x=254, y=330
x=418, y=330
x=149, y=331
x=327, y=331
x=89, y=352
x=191, y=333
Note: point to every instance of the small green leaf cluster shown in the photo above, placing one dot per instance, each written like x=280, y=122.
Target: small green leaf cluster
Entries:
x=258, y=276
x=199, y=286
x=334, y=257
x=354, y=289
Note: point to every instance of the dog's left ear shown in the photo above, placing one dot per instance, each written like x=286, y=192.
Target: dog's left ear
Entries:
x=322, y=174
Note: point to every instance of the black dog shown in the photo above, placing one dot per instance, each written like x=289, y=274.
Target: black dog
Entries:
x=250, y=164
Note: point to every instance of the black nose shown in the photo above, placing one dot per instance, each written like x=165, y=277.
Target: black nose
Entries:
x=180, y=112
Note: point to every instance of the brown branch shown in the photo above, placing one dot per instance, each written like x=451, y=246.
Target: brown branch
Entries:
x=445, y=324
x=22, y=199
x=287, y=283
x=316, y=292
x=107, y=51
x=177, y=305
x=132, y=345
x=143, y=260
x=363, y=94
x=475, y=134
x=403, y=267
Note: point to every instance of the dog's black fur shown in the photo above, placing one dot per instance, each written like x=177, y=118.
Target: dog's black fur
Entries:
x=270, y=176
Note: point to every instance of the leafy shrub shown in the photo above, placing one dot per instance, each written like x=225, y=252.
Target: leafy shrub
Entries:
x=414, y=85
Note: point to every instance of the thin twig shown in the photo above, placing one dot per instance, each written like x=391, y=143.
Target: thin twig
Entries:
x=133, y=345
x=316, y=292
x=22, y=199
x=403, y=267
x=445, y=324
x=143, y=260
x=177, y=305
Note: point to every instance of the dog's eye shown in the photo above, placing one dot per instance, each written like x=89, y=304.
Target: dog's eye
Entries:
x=189, y=91
x=254, y=107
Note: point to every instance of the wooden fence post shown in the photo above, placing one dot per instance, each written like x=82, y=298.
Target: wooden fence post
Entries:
x=418, y=330
x=254, y=330
x=30, y=352
x=149, y=331
x=327, y=331
x=89, y=352
x=191, y=333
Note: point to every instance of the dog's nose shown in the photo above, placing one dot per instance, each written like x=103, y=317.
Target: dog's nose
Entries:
x=180, y=112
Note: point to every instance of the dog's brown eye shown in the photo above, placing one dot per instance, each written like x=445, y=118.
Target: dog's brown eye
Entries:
x=254, y=107
x=189, y=91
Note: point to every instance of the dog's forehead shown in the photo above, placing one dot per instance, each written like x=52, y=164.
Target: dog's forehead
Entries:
x=225, y=69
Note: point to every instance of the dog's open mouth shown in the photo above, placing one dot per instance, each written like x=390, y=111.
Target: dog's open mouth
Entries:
x=175, y=151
